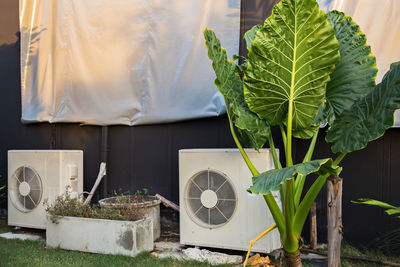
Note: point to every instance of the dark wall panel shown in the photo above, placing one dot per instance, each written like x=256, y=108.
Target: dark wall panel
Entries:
x=13, y=134
x=120, y=158
x=149, y=148
x=253, y=12
x=147, y=156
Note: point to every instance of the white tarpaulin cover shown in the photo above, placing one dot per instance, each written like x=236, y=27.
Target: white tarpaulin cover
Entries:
x=126, y=62
x=380, y=21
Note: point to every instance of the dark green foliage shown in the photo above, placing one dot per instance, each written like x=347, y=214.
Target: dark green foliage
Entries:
x=355, y=73
x=252, y=130
x=369, y=117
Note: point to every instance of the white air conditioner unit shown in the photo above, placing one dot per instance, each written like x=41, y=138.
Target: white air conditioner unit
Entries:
x=216, y=209
x=36, y=175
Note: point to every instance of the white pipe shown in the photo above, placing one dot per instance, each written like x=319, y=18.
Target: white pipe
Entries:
x=100, y=176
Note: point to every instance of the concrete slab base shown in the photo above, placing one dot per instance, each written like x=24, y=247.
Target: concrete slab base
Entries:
x=176, y=251
x=21, y=236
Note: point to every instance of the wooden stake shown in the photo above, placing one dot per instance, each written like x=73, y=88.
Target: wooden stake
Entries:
x=334, y=195
x=313, y=226
x=168, y=203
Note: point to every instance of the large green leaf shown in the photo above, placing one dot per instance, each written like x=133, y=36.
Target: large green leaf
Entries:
x=309, y=132
x=369, y=117
x=247, y=138
x=289, y=63
x=270, y=180
x=250, y=35
x=355, y=73
x=305, y=133
x=251, y=128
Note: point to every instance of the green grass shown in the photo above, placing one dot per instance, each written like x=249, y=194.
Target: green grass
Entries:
x=15, y=253
x=349, y=250
x=4, y=228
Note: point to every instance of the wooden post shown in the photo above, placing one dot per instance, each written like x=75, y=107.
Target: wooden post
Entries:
x=334, y=201
x=313, y=226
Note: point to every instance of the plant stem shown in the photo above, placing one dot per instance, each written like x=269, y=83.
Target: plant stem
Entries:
x=282, y=190
x=339, y=159
x=312, y=193
x=276, y=212
x=293, y=259
x=283, y=136
x=310, y=150
x=306, y=203
x=289, y=161
x=250, y=165
x=290, y=241
x=289, y=125
x=288, y=152
x=277, y=163
x=299, y=182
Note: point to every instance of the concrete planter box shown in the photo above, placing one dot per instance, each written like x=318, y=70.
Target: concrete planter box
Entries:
x=147, y=208
x=100, y=236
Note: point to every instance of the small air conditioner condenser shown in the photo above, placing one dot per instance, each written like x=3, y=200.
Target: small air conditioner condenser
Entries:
x=37, y=175
x=216, y=209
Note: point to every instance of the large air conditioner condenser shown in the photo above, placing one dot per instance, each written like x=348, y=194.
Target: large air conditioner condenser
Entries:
x=216, y=210
x=38, y=175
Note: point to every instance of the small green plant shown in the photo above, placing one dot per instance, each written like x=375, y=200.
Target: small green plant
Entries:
x=122, y=196
x=389, y=242
x=304, y=67
x=2, y=193
x=66, y=206
x=140, y=195
x=389, y=209
x=143, y=191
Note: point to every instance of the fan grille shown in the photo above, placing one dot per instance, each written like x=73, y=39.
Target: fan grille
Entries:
x=210, y=198
x=25, y=189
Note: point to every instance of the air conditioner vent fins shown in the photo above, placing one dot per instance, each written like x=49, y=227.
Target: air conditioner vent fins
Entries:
x=25, y=188
x=210, y=198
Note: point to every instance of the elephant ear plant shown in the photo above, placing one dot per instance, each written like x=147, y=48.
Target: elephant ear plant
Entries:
x=303, y=67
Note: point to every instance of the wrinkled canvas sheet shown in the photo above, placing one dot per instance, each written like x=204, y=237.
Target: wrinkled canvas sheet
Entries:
x=129, y=62
x=380, y=21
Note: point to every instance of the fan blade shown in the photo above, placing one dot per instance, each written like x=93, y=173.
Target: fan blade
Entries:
x=221, y=186
x=221, y=212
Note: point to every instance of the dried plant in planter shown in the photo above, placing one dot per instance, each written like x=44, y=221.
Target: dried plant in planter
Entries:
x=140, y=196
x=147, y=205
x=66, y=206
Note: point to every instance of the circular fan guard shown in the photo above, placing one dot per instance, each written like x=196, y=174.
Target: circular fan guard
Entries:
x=210, y=198
x=25, y=187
